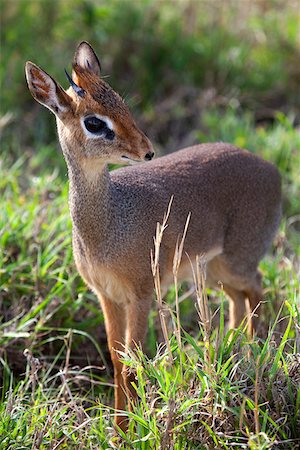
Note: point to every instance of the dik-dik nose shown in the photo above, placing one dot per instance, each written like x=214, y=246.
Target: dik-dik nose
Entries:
x=149, y=156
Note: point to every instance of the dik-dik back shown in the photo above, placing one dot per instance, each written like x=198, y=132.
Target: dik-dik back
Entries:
x=233, y=197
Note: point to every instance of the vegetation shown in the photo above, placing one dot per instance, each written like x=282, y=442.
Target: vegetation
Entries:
x=194, y=78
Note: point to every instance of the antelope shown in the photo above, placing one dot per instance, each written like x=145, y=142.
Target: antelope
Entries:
x=233, y=196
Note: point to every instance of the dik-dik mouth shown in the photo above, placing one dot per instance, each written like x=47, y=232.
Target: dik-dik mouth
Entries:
x=147, y=157
x=131, y=160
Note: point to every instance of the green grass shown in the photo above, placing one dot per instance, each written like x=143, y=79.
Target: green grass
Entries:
x=224, y=395
x=219, y=390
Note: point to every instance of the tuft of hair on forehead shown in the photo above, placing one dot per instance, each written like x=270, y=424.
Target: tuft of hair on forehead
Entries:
x=99, y=90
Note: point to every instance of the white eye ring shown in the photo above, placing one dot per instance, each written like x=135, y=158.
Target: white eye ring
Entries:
x=105, y=119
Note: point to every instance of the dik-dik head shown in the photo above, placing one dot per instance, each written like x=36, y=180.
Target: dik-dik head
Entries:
x=94, y=124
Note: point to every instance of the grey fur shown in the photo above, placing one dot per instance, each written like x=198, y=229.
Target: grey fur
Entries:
x=233, y=197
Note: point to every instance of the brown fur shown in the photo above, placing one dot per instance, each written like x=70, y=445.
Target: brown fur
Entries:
x=233, y=197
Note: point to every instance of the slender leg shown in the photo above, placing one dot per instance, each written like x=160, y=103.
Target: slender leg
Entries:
x=137, y=318
x=255, y=296
x=115, y=324
x=237, y=306
x=239, y=288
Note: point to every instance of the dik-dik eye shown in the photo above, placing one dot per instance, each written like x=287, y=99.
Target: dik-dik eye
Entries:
x=94, y=125
x=99, y=127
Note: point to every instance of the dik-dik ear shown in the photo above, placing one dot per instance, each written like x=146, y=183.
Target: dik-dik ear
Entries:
x=86, y=58
x=46, y=91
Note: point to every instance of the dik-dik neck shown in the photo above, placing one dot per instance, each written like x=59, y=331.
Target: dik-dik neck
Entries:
x=91, y=203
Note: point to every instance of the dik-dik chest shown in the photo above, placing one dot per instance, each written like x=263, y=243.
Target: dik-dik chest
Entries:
x=105, y=281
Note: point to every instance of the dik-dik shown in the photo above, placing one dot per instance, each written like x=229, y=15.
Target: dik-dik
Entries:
x=233, y=197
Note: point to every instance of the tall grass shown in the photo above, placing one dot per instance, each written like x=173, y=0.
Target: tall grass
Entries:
x=204, y=388
x=212, y=389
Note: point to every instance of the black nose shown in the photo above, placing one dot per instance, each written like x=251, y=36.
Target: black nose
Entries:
x=149, y=156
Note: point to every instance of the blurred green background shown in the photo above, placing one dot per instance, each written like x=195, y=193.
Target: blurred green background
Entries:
x=172, y=60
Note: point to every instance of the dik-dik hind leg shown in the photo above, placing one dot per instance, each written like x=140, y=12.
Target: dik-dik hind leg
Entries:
x=241, y=308
x=255, y=295
x=115, y=324
x=239, y=288
x=237, y=306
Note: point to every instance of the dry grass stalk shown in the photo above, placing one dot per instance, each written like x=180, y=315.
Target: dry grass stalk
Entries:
x=40, y=433
x=167, y=440
x=199, y=275
x=160, y=228
x=176, y=265
x=202, y=301
x=33, y=365
x=64, y=376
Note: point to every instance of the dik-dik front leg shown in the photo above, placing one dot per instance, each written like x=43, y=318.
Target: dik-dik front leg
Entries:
x=136, y=329
x=125, y=324
x=115, y=325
